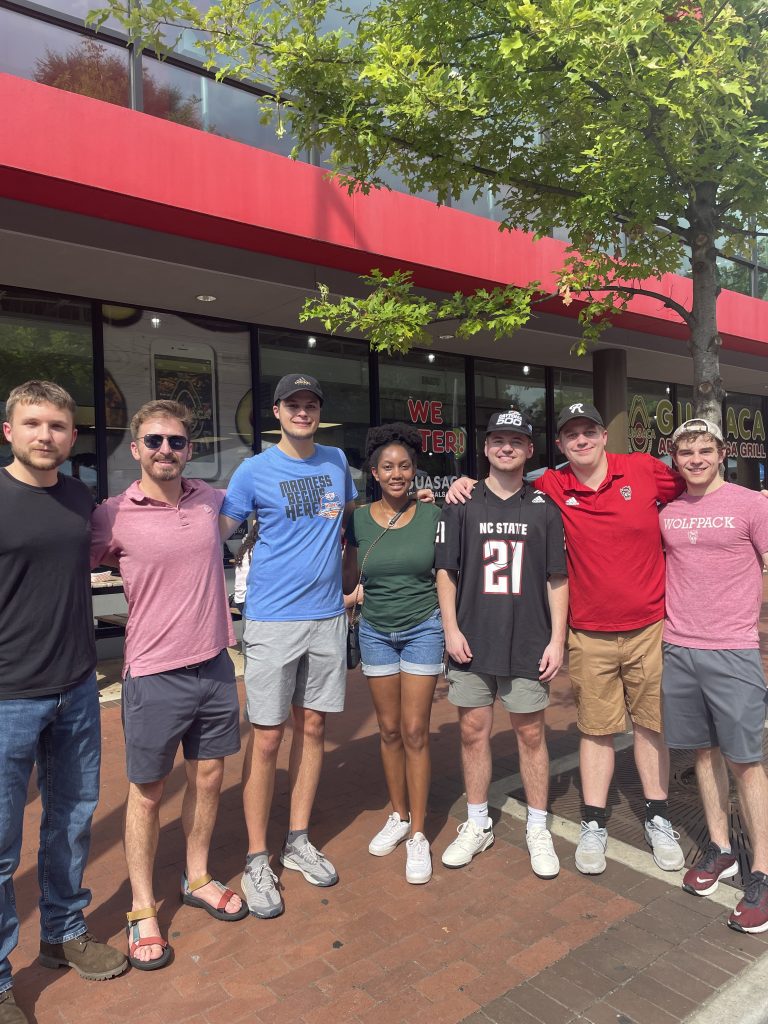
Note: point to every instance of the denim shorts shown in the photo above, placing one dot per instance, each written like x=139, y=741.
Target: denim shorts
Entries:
x=417, y=650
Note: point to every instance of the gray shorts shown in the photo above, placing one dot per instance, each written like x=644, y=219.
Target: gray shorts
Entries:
x=300, y=663
x=196, y=706
x=714, y=699
x=479, y=690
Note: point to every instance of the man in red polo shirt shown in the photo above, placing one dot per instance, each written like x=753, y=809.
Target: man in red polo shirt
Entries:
x=610, y=504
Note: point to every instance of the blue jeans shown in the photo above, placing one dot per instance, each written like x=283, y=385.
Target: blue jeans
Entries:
x=62, y=733
x=417, y=650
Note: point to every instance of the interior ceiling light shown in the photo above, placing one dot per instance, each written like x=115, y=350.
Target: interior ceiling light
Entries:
x=205, y=298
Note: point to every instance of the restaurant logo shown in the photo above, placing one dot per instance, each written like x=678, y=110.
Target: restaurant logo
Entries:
x=640, y=430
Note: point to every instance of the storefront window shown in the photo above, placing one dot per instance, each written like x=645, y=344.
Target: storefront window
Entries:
x=202, y=363
x=79, y=9
x=650, y=417
x=65, y=60
x=49, y=338
x=501, y=386
x=428, y=389
x=200, y=102
x=341, y=367
x=744, y=433
x=571, y=386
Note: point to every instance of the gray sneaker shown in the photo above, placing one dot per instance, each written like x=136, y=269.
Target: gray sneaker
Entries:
x=260, y=888
x=590, y=853
x=662, y=839
x=304, y=857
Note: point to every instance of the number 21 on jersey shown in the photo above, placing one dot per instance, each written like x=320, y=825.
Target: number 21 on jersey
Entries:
x=503, y=566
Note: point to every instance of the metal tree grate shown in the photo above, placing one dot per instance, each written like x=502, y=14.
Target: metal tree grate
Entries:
x=626, y=807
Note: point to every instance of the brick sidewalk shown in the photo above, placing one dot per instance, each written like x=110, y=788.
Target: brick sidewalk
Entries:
x=488, y=942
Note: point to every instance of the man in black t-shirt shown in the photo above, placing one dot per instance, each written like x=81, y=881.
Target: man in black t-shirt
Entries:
x=49, y=702
x=503, y=590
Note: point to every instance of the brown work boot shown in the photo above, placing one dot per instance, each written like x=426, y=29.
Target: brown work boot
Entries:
x=9, y=1011
x=94, y=961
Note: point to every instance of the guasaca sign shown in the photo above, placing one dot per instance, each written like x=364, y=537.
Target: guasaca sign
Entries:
x=744, y=428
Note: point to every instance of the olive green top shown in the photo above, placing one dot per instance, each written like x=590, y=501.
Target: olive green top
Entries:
x=399, y=581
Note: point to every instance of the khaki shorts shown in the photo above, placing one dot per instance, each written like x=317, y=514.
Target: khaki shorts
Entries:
x=615, y=674
x=479, y=690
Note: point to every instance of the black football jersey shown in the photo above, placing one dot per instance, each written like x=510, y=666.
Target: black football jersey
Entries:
x=503, y=550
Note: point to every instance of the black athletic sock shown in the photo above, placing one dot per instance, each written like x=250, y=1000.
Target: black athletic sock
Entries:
x=295, y=834
x=252, y=856
x=592, y=813
x=654, y=808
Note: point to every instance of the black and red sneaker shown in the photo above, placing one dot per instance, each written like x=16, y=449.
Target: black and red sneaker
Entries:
x=702, y=878
x=751, y=913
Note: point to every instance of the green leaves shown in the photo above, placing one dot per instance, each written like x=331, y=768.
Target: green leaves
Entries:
x=393, y=317
x=584, y=113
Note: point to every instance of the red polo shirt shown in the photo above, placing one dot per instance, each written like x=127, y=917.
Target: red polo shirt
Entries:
x=615, y=557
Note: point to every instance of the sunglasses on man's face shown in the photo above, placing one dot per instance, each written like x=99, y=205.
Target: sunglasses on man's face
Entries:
x=176, y=442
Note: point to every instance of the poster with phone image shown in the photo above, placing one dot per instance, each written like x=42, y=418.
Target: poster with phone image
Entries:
x=186, y=374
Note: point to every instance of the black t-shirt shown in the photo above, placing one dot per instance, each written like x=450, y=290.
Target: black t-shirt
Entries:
x=504, y=551
x=46, y=621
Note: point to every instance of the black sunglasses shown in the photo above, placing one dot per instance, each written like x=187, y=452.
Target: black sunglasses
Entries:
x=176, y=442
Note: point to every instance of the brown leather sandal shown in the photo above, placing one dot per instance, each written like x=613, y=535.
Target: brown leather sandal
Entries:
x=135, y=941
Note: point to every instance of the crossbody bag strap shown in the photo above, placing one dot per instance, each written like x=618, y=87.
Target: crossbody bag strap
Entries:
x=387, y=528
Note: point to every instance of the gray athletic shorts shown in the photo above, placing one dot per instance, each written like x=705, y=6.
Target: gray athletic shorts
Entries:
x=479, y=690
x=196, y=706
x=714, y=699
x=301, y=663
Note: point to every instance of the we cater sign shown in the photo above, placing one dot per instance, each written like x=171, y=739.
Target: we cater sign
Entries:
x=436, y=439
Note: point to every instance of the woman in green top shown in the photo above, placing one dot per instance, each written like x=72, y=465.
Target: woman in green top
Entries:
x=391, y=546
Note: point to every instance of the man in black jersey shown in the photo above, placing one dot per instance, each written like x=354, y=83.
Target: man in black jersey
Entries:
x=503, y=590
x=49, y=702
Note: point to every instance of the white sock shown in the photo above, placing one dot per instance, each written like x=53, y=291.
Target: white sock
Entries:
x=479, y=814
x=536, y=818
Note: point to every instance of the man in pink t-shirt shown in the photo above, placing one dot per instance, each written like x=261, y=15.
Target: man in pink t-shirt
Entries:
x=714, y=692
x=179, y=681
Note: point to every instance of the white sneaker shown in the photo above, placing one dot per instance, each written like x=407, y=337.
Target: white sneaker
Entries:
x=544, y=862
x=389, y=838
x=590, y=853
x=470, y=841
x=418, y=860
x=663, y=840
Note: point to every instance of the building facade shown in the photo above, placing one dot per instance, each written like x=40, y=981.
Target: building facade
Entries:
x=157, y=241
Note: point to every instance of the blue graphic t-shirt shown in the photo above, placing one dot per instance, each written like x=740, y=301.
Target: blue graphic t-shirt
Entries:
x=296, y=566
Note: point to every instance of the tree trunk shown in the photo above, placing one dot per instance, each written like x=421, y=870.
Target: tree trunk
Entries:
x=705, y=341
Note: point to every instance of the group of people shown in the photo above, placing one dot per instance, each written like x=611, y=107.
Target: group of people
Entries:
x=502, y=580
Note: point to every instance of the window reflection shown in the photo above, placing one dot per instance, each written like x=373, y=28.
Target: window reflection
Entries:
x=500, y=385
x=65, y=60
x=200, y=102
x=49, y=338
x=202, y=363
x=341, y=367
x=428, y=389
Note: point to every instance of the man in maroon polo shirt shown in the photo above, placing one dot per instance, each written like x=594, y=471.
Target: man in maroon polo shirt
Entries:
x=179, y=681
x=610, y=504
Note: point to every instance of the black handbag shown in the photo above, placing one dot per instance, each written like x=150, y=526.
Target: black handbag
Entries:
x=353, y=640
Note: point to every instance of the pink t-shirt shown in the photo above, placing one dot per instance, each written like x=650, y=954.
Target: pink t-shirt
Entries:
x=714, y=545
x=170, y=559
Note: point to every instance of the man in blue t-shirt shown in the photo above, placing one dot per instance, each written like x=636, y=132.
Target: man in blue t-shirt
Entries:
x=295, y=626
